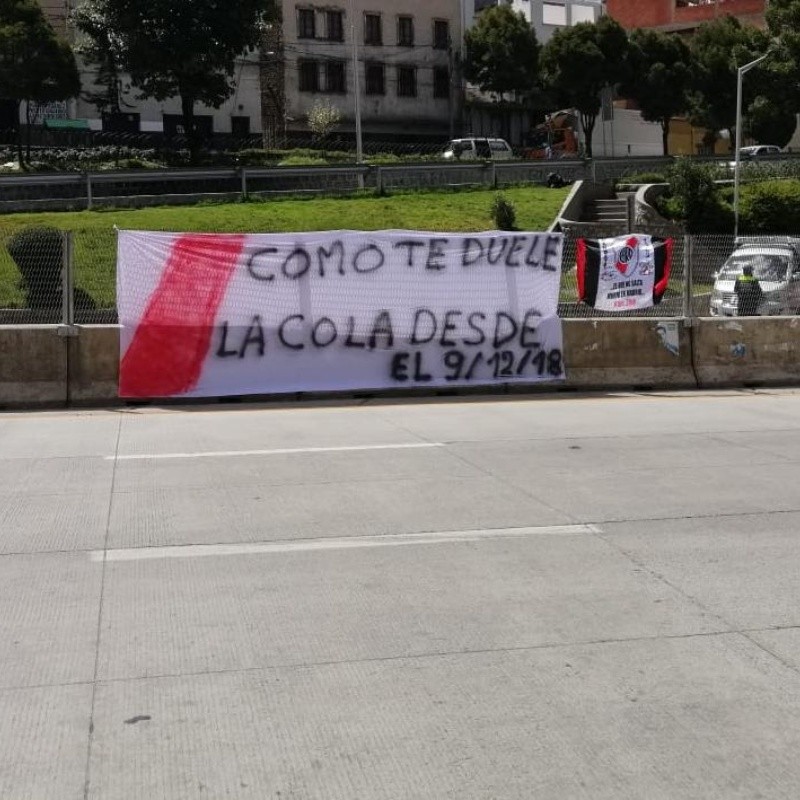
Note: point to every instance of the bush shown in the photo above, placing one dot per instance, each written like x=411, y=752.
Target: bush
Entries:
x=38, y=254
x=693, y=197
x=715, y=216
x=504, y=213
x=303, y=161
x=643, y=177
x=257, y=157
x=770, y=207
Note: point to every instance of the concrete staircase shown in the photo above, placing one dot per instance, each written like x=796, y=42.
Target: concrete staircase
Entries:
x=608, y=210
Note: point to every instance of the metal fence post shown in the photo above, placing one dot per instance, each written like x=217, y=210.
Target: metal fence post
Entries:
x=378, y=180
x=67, y=281
x=88, y=190
x=688, y=288
x=494, y=174
x=244, y=183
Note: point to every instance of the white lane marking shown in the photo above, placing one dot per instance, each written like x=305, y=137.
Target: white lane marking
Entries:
x=275, y=452
x=337, y=543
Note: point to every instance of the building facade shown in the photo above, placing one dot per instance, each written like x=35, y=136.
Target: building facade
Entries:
x=544, y=16
x=680, y=15
x=404, y=55
x=548, y=16
x=240, y=114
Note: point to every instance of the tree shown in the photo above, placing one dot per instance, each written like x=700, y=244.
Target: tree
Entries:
x=36, y=67
x=578, y=63
x=783, y=21
x=769, y=122
x=187, y=48
x=99, y=47
x=783, y=24
x=502, y=52
x=718, y=49
x=323, y=118
x=658, y=77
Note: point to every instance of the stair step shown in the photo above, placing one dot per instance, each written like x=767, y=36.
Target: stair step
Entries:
x=609, y=204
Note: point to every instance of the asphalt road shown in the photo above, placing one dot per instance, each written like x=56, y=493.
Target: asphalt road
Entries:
x=556, y=597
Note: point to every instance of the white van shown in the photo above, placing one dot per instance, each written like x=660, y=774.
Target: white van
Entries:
x=776, y=264
x=478, y=149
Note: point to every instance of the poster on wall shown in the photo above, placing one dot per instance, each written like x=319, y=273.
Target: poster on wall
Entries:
x=205, y=315
x=624, y=273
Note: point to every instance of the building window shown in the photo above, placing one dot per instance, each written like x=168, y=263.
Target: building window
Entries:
x=372, y=29
x=334, y=77
x=240, y=126
x=405, y=31
x=441, y=82
x=441, y=34
x=582, y=14
x=333, y=26
x=309, y=76
x=554, y=14
x=306, y=23
x=376, y=78
x=406, y=81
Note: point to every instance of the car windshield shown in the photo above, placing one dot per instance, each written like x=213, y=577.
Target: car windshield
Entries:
x=766, y=266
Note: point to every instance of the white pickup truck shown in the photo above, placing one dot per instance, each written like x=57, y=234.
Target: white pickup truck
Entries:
x=776, y=263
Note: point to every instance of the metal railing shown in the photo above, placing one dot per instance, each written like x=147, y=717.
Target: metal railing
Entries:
x=65, y=190
x=137, y=187
x=57, y=277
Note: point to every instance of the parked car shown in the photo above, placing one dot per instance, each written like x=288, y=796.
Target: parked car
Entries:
x=759, y=150
x=755, y=153
x=776, y=264
x=474, y=149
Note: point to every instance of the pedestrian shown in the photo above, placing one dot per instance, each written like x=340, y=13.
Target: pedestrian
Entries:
x=749, y=294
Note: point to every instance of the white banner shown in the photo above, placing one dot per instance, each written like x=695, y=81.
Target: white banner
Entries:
x=232, y=314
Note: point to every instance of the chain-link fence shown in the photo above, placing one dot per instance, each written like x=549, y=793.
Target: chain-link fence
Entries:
x=50, y=276
x=34, y=263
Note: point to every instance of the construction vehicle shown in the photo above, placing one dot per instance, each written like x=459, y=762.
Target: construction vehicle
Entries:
x=556, y=137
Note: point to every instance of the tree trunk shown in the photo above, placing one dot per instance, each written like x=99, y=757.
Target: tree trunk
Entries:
x=665, y=135
x=189, y=127
x=18, y=127
x=28, y=127
x=587, y=121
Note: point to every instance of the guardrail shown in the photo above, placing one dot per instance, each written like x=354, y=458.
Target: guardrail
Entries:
x=62, y=191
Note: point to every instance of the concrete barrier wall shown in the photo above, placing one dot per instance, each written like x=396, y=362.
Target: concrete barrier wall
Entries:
x=627, y=353
x=94, y=364
x=33, y=366
x=39, y=367
x=742, y=351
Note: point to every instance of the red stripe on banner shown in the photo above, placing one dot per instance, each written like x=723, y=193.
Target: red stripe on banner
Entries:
x=580, y=267
x=661, y=286
x=172, y=339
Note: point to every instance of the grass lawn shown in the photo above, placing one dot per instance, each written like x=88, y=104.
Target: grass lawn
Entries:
x=95, y=240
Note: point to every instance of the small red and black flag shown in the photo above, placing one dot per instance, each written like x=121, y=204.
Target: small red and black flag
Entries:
x=624, y=273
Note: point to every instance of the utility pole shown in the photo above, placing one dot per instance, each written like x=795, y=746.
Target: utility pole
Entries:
x=356, y=84
x=450, y=88
x=273, y=95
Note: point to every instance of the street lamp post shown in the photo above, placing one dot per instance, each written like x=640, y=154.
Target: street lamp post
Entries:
x=737, y=163
x=356, y=89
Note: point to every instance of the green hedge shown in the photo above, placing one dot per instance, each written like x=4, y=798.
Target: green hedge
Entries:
x=705, y=206
x=770, y=207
